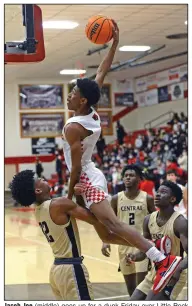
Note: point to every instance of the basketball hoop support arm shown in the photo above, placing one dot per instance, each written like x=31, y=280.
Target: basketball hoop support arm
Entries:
x=29, y=45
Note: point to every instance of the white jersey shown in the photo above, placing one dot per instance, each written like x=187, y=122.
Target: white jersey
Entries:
x=90, y=122
x=95, y=180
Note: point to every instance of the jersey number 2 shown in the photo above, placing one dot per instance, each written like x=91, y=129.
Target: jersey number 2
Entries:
x=131, y=219
x=45, y=231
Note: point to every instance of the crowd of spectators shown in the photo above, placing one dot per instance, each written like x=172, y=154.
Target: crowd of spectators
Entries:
x=155, y=150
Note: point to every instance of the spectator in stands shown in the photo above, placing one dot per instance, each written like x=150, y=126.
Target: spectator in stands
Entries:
x=39, y=168
x=185, y=199
x=173, y=177
x=105, y=168
x=120, y=133
x=138, y=142
x=117, y=183
x=176, y=124
x=56, y=149
x=59, y=169
x=182, y=160
x=101, y=146
x=145, y=141
x=183, y=118
x=106, y=156
x=147, y=184
x=175, y=117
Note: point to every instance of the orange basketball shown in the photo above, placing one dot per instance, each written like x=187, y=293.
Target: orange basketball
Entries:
x=99, y=29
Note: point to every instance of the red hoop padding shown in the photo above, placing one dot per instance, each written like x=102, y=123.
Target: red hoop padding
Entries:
x=40, y=48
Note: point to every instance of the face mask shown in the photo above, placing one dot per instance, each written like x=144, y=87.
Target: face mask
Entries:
x=166, y=148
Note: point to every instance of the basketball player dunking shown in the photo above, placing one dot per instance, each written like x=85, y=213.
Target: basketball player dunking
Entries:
x=69, y=278
x=168, y=229
x=80, y=135
x=131, y=206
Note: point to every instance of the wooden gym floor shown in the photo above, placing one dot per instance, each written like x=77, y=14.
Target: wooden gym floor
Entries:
x=29, y=256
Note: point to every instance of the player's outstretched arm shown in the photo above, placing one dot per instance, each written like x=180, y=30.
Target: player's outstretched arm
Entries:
x=107, y=61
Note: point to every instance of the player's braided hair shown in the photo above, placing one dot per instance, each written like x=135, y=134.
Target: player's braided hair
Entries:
x=22, y=188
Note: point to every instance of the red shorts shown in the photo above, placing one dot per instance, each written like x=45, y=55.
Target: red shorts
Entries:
x=95, y=180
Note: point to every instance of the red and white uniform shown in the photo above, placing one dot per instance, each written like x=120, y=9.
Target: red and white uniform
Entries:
x=96, y=182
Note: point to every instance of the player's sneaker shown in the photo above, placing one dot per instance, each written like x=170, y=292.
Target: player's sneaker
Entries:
x=165, y=270
x=164, y=245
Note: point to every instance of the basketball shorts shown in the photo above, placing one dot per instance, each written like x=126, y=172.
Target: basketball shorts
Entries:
x=146, y=285
x=70, y=282
x=95, y=180
x=137, y=267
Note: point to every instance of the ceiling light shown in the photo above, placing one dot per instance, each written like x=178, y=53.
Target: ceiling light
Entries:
x=60, y=24
x=134, y=48
x=186, y=22
x=72, y=71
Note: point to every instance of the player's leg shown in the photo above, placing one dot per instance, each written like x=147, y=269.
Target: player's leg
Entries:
x=133, y=279
x=157, y=297
x=142, y=268
x=143, y=288
x=71, y=282
x=140, y=277
x=130, y=281
x=138, y=296
x=178, y=289
x=128, y=270
x=53, y=285
x=78, y=284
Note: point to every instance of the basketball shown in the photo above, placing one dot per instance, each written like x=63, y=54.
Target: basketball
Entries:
x=99, y=29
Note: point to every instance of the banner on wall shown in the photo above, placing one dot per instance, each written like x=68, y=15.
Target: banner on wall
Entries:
x=163, y=94
x=141, y=99
x=177, y=91
x=125, y=85
x=151, y=81
x=173, y=75
x=124, y=99
x=183, y=73
x=141, y=84
x=163, y=78
x=43, y=146
x=152, y=97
